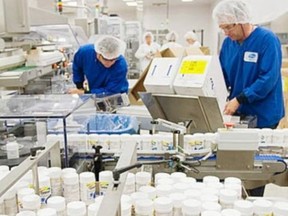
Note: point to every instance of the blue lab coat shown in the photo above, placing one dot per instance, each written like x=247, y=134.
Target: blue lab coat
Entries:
x=253, y=69
x=101, y=80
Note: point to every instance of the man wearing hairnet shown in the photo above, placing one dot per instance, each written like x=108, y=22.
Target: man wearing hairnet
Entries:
x=191, y=39
x=147, y=50
x=102, y=65
x=171, y=37
x=251, y=62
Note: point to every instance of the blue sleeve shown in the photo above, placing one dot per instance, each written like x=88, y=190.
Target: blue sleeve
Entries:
x=118, y=80
x=270, y=67
x=223, y=59
x=78, y=73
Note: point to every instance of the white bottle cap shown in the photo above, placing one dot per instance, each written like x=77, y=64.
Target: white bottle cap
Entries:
x=160, y=176
x=262, y=206
x=181, y=187
x=138, y=196
x=144, y=207
x=47, y=212
x=163, y=205
x=125, y=208
x=4, y=168
x=281, y=208
x=177, y=176
x=57, y=202
x=177, y=199
x=244, y=206
x=93, y=209
x=130, y=179
x=126, y=199
x=42, y=170
x=164, y=190
x=232, y=180
x=211, y=206
x=230, y=212
x=32, y=201
x=44, y=181
x=21, y=184
x=188, y=180
x=197, y=186
x=165, y=181
x=149, y=190
x=218, y=186
x=210, y=213
x=209, y=198
x=24, y=192
x=71, y=178
x=193, y=193
x=86, y=177
x=106, y=176
x=191, y=205
x=26, y=213
x=211, y=191
x=236, y=187
x=68, y=170
x=210, y=179
x=76, y=208
x=227, y=195
x=55, y=172
x=143, y=177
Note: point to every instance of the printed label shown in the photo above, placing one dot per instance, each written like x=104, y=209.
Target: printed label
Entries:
x=193, y=67
x=251, y=57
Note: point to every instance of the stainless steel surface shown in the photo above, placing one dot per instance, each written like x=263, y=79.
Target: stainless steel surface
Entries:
x=51, y=148
x=235, y=160
x=111, y=202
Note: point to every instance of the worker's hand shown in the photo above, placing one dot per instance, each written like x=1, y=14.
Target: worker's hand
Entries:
x=231, y=107
x=76, y=91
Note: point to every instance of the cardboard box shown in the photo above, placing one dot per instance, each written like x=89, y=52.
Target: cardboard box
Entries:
x=285, y=63
x=201, y=76
x=161, y=75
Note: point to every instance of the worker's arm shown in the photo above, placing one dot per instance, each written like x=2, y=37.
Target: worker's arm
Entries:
x=270, y=67
x=140, y=53
x=78, y=73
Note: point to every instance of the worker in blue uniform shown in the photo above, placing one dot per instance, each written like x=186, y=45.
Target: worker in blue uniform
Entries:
x=251, y=62
x=103, y=66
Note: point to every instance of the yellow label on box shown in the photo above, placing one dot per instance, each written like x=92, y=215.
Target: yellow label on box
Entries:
x=193, y=67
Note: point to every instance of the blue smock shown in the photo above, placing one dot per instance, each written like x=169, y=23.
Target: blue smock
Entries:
x=253, y=69
x=101, y=80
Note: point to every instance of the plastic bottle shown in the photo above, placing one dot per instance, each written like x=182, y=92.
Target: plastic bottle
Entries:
x=144, y=207
x=159, y=176
x=142, y=179
x=191, y=207
x=130, y=184
x=163, y=206
x=149, y=190
x=87, y=187
x=181, y=187
x=146, y=142
x=193, y=193
x=4, y=168
x=44, y=189
x=71, y=191
x=262, y=207
x=210, y=191
x=215, y=186
x=210, y=180
x=21, y=193
x=2, y=208
x=177, y=199
x=31, y=203
x=126, y=140
x=164, y=190
x=47, y=212
x=76, y=208
x=156, y=140
x=67, y=171
x=126, y=209
x=165, y=181
x=114, y=142
x=244, y=206
x=10, y=202
x=227, y=198
x=188, y=180
x=236, y=187
x=197, y=186
x=209, y=198
x=232, y=180
x=210, y=213
x=93, y=209
x=230, y=212
x=26, y=213
x=138, y=139
x=55, y=181
x=105, y=178
x=211, y=206
x=12, y=150
x=58, y=203
x=177, y=176
x=280, y=209
x=138, y=196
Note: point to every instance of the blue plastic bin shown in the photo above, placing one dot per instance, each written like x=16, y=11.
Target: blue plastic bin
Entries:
x=111, y=124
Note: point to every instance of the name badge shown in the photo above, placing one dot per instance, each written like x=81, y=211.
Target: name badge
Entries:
x=251, y=57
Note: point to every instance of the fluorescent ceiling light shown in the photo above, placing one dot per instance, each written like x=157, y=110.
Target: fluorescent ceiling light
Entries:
x=187, y=0
x=131, y=4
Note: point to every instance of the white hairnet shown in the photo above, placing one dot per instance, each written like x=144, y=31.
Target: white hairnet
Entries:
x=190, y=35
x=172, y=36
x=148, y=34
x=232, y=12
x=109, y=47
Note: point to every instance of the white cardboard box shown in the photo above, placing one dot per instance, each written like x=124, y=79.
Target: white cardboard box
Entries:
x=161, y=75
x=201, y=76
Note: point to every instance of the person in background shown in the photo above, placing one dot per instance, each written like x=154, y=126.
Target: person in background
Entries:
x=103, y=66
x=171, y=37
x=251, y=59
x=191, y=39
x=147, y=50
